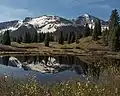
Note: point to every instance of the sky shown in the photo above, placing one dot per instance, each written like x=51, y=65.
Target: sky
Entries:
x=19, y=9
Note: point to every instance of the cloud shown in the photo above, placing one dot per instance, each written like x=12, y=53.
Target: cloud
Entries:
x=9, y=13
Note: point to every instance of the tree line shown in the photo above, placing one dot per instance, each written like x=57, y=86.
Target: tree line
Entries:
x=110, y=37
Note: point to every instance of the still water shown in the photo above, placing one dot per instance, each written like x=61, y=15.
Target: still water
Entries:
x=52, y=68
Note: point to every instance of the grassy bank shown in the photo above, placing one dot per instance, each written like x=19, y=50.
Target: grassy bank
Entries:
x=10, y=87
x=85, y=47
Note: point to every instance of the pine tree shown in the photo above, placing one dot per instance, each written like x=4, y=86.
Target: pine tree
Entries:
x=39, y=38
x=105, y=36
x=76, y=38
x=69, y=38
x=46, y=40
x=113, y=37
x=72, y=37
x=19, y=40
x=99, y=27
x=87, y=31
x=27, y=37
x=35, y=37
x=95, y=34
x=113, y=45
x=6, y=38
x=114, y=19
x=61, y=39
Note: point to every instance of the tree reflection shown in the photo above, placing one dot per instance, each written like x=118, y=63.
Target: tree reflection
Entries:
x=5, y=60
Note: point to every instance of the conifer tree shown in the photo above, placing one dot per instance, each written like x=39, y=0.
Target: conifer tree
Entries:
x=61, y=39
x=69, y=38
x=35, y=37
x=87, y=31
x=76, y=38
x=39, y=38
x=19, y=40
x=114, y=42
x=46, y=40
x=27, y=37
x=6, y=38
x=99, y=27
x=105, y=36
x=72, y=37
x=95, y=34
x=113, y=37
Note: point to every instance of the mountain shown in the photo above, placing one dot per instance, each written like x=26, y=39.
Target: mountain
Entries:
x=50, y=24
x=86, y=18
x=42, y=24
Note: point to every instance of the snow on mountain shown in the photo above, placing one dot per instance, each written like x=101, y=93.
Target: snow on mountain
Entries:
x=47, y=23
x=42, y=24
x=86, y=18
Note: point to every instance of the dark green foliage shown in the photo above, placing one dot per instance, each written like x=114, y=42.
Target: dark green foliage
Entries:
x=113, y=45
x=95, y=34
x=51, y=37
x=72, y=37
x=61, y=39
x=66, y=37
x=105, y=36
x=40, y=38
x=69, y=38
x=35, y=37
x=87, y=31
x=43, y=36
x=114, y=33
x=114, y=19
x=46, y=40
x=6, y=38
x=27, y=37
x=99, y=27
x=14, y=39
x=97, y=30
x=19, y=40
x=76, y=38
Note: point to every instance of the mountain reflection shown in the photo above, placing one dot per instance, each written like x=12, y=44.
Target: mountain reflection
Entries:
x=51, y=64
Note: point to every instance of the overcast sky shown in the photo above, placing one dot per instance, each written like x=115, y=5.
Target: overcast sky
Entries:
x=19, y=9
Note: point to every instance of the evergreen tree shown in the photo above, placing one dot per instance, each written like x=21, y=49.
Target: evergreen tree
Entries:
x=114, y=19
x=35, y=37
x=72, y=37
x=44, y=35
x=61, y=39
x=46, y=40
x=18, y=40
x=40, y=37
x=27, y=37
x=87, y=31
x=95, y=34
x=99, y=27
x=114, y=42
x=113, y=36
x=6, y=38
x=76, y=38
x=69, y=38
x=105, y=36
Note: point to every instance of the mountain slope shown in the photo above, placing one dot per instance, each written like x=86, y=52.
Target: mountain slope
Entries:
x=86, y=18
x=47, y=23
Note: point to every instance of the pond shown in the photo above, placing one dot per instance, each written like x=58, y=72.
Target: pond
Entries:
x=49, y=69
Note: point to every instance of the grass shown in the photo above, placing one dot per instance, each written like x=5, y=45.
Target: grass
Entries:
x=11, y=87
x=86, y=46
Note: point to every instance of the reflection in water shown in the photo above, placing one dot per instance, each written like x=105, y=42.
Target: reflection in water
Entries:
x=5, y=60
x=56, y=64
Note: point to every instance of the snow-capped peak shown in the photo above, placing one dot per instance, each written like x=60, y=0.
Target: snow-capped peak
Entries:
x=86, y=15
